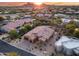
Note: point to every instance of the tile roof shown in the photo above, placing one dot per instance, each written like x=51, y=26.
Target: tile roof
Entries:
x=13, y=25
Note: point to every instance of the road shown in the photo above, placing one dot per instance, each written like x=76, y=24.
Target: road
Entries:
x=4, y=48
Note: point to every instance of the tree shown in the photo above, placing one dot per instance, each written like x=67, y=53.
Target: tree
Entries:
x=13, y=34
x=28, y=27
x=18, y=17
x=2, y=18
x=76, y=32
x=25, y=29
x=22, y=31
x=70, y=28
x=12, y=12
x=36, y=23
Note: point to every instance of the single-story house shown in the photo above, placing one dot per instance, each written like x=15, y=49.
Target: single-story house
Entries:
x=66, y=20
x=61, y=15
x=40, y=33
x=13, y=25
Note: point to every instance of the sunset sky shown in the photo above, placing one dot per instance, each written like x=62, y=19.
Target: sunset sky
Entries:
x=21, y=3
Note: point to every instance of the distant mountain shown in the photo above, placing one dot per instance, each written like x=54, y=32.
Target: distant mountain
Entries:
x=28, y=4
x=11, y=3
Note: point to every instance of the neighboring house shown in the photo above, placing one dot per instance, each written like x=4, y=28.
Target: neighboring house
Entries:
x=48, y=15
x=11, y=15
x=40, y=15
x=61, y=15
x=13, y=25
x=44, y=15
x=66, y=20
x=67, y=45
x=58, y=44
x=40, y=33
x=27, y=16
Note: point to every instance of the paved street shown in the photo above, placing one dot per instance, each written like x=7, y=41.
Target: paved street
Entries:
x=4, y=48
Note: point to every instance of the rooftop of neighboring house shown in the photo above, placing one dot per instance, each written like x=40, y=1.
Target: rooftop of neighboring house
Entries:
x=15, y=24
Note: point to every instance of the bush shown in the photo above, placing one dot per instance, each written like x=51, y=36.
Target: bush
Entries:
x=2, y=18
x=76, y=32
x=13, y=34
x=25, y=29
x=70, y=27
x=56, y=21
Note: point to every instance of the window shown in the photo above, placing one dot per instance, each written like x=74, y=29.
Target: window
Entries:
x=30, y=41
x=18, y=27
x=40, y=49
x=50, y=44
x=26, y=38
x=44, y=44
x=35, y=47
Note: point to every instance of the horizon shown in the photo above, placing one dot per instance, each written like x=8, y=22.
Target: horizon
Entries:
x=48, y=3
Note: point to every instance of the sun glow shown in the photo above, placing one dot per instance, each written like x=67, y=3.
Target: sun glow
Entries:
x=38, y=3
